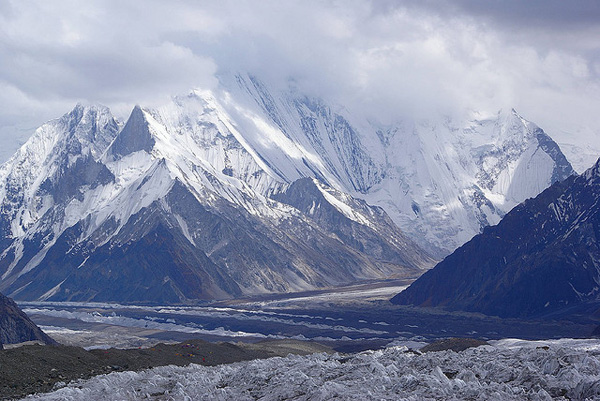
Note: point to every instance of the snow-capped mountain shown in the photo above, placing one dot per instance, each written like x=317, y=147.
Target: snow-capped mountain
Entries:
x=174, y=207
x=247, y=189
x=441, y=180
x=543, y=258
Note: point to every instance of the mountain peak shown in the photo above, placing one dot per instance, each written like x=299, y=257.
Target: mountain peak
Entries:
x=85, y=131
x=92, y=126
x=234, y=152
x=135, y=135
x=83, y=113
x=89, y=107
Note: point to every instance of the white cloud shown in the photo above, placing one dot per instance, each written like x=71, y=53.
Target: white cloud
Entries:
x=392, y=58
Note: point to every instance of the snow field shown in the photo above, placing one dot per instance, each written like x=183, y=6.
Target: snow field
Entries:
x=507, y=370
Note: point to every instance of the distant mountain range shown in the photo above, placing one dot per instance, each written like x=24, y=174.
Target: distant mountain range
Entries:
x=542, y=259
x=247, y=190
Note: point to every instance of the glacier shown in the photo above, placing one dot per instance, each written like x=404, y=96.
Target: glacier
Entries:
x=507, y=369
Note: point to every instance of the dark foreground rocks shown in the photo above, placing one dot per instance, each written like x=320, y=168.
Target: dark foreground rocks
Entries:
x=37, y=368
x=453, y=344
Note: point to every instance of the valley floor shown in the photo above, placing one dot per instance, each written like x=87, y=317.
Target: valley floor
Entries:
x=353, y=320
x=347, y=319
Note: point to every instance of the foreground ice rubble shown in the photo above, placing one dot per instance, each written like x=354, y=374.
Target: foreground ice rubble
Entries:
x=506, y=370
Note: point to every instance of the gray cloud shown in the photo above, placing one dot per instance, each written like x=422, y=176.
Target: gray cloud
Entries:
x=391, y=58
x=546, y=14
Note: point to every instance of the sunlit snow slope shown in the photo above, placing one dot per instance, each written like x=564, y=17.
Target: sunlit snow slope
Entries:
x=439, y=179
x=542, y=259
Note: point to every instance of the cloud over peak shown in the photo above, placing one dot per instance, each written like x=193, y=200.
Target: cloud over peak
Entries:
x=391, y=58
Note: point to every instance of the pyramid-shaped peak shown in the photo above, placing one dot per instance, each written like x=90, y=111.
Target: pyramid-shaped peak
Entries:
x=134, y=137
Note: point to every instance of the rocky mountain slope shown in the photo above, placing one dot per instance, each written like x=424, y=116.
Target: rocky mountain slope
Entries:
x=542, y=258
x=16, y=327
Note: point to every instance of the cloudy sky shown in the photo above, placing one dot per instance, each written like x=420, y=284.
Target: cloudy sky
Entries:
x=390, y=58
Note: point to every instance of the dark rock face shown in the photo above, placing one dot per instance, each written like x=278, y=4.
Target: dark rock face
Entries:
x=134, y=136
x=562, y=167
x=542, y=258
x=16, y=327
x=70, y=180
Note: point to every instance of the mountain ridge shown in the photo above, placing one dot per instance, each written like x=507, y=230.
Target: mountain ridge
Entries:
x=145, y=184
x=407, y=166
x=16, y=327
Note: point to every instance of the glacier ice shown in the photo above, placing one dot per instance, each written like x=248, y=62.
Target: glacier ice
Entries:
x=506, y=370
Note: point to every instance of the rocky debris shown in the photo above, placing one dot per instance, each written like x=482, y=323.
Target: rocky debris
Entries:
x=510, y=369
x=453, y=344
x=35, y=368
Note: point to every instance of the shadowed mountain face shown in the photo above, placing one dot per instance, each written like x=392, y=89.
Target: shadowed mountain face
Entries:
x=542, y=259
x=15, y=326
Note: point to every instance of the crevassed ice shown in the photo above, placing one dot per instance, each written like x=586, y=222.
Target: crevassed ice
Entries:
x=508, y=370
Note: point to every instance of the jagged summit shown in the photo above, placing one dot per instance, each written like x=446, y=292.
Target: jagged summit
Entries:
x=521, y=160
x=92, y=126
x=135, y=136
x=58, y=148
